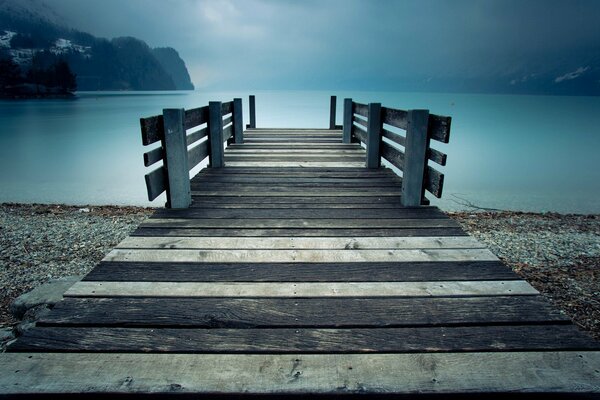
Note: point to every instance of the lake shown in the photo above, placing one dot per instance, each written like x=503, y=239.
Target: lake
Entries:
x=528, y=153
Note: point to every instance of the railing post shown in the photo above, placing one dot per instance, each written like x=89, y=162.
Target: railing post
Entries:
x=176, y=162
x=238, y=121
x=374, y=136
x=415, y=158
x=332, y=106
x=252, y=106
x=215, y=134
x=347, y=132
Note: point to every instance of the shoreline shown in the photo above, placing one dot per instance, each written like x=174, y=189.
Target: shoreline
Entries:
x=558, y=254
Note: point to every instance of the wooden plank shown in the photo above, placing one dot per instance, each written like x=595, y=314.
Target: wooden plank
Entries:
x=287, y=150
x=286, y=341
x=373, y=159
x=317, y=201
x=332, y=106
x=238, y=121
x=153, y=156
x=394, y=117
x=285, y=191
x=215, y=137
x=436, y=156
x=195, y=136
x=434, y=242
x=295, y=164
x=164, y=374
x=195, y=117
x=152, y=129
x=301, y=223
x=361, y=122
x=439, y=128
x=226, y=108
x=295, y=157
x=353, y=312
x=393, y=155
x=197, y=154
x=358, y=133
x=360, y=109
x=434, y=181
x=299, y=289
x=415, y=161
x=176, y=159
x=394, y=137
x=298, y=232
x=227, y=132
x=261, y=179
x=156, y=182
x=228, y=120
x=347, y=134
x=298, y=272
x=252, y=111
x=318, y=213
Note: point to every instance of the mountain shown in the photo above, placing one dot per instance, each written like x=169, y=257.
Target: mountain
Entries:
x=169, y=59
x=29, y=30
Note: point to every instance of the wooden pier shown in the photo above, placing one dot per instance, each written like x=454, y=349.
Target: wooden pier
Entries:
x=293, y=266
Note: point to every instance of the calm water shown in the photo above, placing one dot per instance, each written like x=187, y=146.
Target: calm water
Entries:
x=533, y=153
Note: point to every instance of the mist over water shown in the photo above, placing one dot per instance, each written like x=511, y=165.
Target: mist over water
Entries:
x=529, y=153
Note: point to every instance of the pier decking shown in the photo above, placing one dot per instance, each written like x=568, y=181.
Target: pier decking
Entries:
x=297, y=270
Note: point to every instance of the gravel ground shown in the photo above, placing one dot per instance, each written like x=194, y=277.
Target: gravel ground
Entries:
x=558, y=254
x=43, y=242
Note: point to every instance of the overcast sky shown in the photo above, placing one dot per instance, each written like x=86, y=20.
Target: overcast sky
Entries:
x=342, y=43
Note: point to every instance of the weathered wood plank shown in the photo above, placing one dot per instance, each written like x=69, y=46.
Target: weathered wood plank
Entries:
x=298, y=272
x=329, y=341
x=279, y=180
x=350, y=312
x=360, y=109
x=415, y=160
x=359, y=133
x=434, y=242
x=393, y=155
x=298, y=232
x=394, y=117
x=371, y=223
x=436, y=156
x=195, y=117
x=295, y=164
x=394, y=137
x=152, y=129
x=197, y=135
x=294, y=157
x=439, y=128
x=317, y=213
x=176, y=159
x=228, y=120
x=434, y=181
x=299, y=289
x=227, y=132
x=449, y=373
x=197, y=154
x=317, y=201
x=153, y=156
x=156, y=182
x=227, y=107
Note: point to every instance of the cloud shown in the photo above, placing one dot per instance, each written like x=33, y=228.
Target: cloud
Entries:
x=571, y=75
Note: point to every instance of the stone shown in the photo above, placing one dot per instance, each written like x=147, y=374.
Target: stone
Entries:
x=49, y=293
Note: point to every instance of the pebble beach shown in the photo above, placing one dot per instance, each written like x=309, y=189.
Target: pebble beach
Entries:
x=558, y=254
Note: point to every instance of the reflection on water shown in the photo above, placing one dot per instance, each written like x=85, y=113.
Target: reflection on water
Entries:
x=533, y=153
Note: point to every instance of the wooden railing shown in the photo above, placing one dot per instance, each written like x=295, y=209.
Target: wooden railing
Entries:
x=410, y=153
x=186, y=138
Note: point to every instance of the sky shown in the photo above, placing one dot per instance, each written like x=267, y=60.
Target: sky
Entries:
x=358, y=44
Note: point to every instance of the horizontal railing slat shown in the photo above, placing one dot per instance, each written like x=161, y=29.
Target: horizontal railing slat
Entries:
x=439, y=128
x=436, y=156
x=393, y=155
x=197, y=154
x=152, y=129
x=394, y=137
x=360, y=121
x=394, y=117
x=156, y=182
x=434, y=181
x=153, y=156
x=228, y=120
x=227, y=108
x=359, y=133
x=360, y=109
x=196, y=116
x=194, y=137
x=227, y=132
